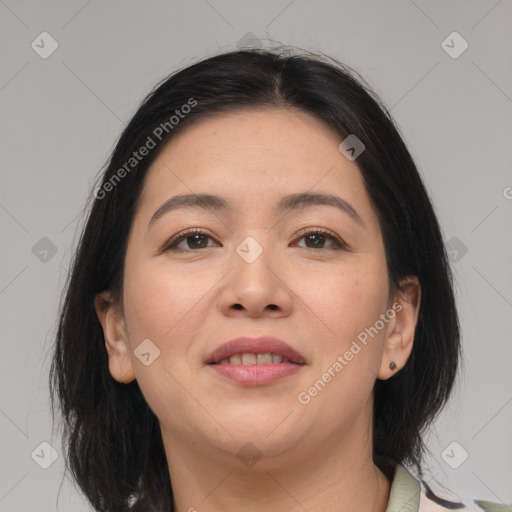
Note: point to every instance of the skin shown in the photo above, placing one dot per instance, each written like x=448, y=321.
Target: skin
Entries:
x=316, y=456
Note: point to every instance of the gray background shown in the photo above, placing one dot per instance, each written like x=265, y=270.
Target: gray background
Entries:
x=62, y=115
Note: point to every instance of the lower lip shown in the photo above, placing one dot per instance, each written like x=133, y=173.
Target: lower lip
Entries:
x=256, y=374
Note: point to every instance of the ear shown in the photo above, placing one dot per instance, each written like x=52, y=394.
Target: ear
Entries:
x=400, y=333
x=111, y=318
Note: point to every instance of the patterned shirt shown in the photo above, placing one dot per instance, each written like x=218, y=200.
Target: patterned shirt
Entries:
x=410, y=495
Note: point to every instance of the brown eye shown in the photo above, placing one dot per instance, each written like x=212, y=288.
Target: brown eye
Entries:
x=189, y=241
x=196, y=241
x=318, y=239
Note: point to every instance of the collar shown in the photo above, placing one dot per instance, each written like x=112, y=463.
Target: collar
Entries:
x=405, y=492
x=407, y=495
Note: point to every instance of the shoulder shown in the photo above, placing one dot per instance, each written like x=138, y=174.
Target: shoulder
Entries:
x=421, y=498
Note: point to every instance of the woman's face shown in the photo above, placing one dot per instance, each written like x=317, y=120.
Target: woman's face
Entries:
x=256, y=269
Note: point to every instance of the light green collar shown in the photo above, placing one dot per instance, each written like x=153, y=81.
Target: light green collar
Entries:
x=405, y=495
x=405, y=492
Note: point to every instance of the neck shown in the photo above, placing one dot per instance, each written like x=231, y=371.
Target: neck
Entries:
x=338, y=475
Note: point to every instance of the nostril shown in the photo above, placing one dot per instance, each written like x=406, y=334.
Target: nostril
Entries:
x=238, y=306
x=272, y=307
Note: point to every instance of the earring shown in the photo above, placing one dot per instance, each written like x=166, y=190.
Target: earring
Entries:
x=392, y=365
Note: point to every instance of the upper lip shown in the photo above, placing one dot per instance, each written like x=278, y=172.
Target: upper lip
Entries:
x=261, y=345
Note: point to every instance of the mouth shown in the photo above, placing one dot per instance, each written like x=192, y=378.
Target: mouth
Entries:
x=255, y=351
x=255, y=361
x=249, y=358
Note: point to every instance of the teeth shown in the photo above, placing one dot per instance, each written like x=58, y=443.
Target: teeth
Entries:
x=246, y=359
x=264, y=358
x=236, y=359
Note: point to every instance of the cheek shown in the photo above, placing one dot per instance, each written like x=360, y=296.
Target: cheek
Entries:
x=348, y=302
x=159, y=299
x=349, y=299
x=349, y=305
x=163, y=306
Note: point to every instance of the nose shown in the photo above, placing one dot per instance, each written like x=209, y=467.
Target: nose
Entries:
x=256, y=287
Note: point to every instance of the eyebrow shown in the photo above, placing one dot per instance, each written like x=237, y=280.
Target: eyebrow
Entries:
x=288, y=203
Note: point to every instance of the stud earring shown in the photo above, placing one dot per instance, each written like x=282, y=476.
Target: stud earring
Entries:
x=392, y=365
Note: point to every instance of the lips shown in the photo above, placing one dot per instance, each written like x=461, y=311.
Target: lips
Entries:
x=260, y=351
x=252, y=362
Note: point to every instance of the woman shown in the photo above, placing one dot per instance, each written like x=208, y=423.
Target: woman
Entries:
x=260, y=313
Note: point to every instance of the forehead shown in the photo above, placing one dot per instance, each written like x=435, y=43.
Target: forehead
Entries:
x=256, y=153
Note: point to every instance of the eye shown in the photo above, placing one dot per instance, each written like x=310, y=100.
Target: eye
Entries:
x=192, y=238
x=318, y=237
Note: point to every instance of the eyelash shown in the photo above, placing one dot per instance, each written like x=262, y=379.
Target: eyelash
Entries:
x=171, y=246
